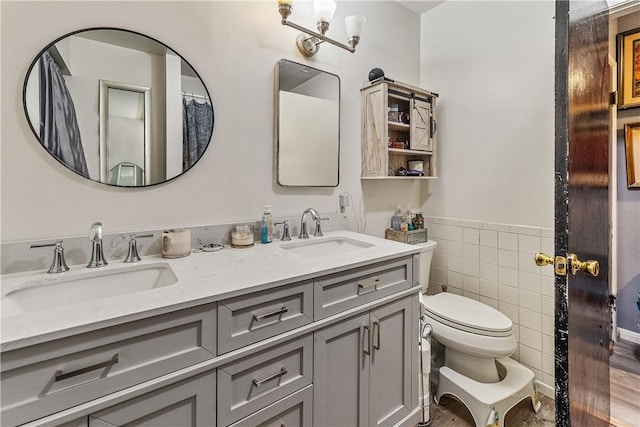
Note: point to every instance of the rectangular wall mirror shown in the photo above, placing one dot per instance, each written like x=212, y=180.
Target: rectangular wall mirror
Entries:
x=307, y=126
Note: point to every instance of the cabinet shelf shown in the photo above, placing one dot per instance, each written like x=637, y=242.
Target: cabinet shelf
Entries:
x=403, y=152
x=386, y=105
x=402, y=127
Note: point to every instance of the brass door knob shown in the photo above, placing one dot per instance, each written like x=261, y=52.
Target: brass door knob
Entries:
x=590, y=266
x=543, y=259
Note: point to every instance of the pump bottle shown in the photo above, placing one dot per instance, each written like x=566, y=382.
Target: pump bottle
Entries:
x=266, y=226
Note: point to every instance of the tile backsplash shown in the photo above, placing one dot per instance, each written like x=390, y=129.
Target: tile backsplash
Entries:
x=17, y=256
x=493, y=263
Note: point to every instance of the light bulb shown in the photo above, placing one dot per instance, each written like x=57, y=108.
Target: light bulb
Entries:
x=324, y=10
x=354, y=25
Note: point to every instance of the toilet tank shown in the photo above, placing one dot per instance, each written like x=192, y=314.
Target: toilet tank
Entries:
x=427, y=248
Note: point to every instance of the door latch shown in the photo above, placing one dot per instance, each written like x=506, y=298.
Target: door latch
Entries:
x=571, y=261
x=559, y=263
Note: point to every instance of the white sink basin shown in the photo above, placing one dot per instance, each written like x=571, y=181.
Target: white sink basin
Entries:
x=325, y=246
x=55, y=290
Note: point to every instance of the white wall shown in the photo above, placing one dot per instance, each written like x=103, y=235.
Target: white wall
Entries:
x=234, y=46
x=492, y=208
x=493, y=65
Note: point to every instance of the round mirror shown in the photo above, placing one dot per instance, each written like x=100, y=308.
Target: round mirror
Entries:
x=118, y=107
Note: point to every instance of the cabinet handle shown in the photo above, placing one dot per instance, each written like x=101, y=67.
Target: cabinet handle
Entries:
x=376, y=326
x=372, y=284
x=433, y=127
x=278, y=312
x=367, y=349
x=258, y=383
x=60, y=376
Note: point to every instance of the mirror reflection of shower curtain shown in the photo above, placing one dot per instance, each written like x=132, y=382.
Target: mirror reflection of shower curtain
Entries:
x=59, y=132
x=197, y=124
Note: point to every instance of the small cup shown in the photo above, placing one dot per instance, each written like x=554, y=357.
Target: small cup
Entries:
x=176, y=243
x=242, y=236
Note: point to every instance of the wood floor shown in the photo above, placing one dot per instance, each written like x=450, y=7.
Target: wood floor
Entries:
x=625, y=385
x=625, y=399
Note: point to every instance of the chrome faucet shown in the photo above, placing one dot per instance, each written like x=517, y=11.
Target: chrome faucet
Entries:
x=132, y=255
x=58, y=265
x=285, y=230
x=303, y=224
x=97, y=256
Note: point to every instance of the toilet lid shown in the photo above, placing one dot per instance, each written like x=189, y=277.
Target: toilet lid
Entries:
x=467, y=314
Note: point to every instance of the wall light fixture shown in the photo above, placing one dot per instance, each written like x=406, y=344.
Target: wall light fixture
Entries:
x=309, y=42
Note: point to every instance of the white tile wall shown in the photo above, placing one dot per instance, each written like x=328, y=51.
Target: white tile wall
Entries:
x=493, y=263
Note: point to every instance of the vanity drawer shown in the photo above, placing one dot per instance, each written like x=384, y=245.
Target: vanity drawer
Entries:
x=250, y=384
x=292, y=411
x=48, y=377
x=341, y=291
x=251, y=318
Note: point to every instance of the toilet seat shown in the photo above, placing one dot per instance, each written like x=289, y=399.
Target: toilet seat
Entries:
x=467, y=315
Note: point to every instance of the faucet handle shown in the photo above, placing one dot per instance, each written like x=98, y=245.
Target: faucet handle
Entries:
x=318, y=232
x=58, y=265
x=96, y=231
x=132, y=255
x=285, y=229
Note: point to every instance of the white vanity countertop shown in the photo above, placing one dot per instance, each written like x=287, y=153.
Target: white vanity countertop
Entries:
x=202, y=278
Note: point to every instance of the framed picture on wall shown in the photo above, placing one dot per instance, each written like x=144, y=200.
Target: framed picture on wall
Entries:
x=629, y=69
x=632, y=152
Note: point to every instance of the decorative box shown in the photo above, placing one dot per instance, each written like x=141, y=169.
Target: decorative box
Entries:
x=410, y=237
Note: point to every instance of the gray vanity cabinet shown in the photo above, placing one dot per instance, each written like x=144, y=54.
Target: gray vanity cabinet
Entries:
x=393, y=346
x=191, y=402
x=336, y=350
x=364, y=368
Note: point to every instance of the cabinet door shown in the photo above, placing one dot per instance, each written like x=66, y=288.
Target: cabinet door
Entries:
x=341, y=374
x=374, y=122
x=421, y=126
x=391, y=376
x=191, y=402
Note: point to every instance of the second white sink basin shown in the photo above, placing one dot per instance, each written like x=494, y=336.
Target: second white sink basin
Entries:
x=325, y=246
x=55, y=290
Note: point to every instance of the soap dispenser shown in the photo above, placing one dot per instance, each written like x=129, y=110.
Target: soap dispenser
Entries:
x=266, y=226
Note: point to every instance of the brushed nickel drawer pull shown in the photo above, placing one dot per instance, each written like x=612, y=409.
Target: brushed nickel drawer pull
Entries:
x=373, y=284
x=60, y=376
x=367, y=349
x=376, y=325
x=258, y=383
x=278, y=312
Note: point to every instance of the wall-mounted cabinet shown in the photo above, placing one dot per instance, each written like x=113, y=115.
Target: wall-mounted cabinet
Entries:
x=399, y=131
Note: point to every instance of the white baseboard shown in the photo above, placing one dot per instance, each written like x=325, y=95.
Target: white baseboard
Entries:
x=628, y=335
x=547, y=390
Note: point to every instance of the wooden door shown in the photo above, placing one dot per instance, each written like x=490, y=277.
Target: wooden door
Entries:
x=391, y=375
x=341, y=374
x=191, y=402
x=421, y=135
x=583, y=318
x=375, y=161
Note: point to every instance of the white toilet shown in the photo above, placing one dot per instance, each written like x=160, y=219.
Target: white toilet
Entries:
x=478, y=341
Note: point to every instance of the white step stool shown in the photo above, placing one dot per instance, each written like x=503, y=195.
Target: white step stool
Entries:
x=488, y=403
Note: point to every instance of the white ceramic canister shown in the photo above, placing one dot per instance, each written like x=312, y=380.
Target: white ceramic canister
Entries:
x=416, y=165
x=176, y=243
